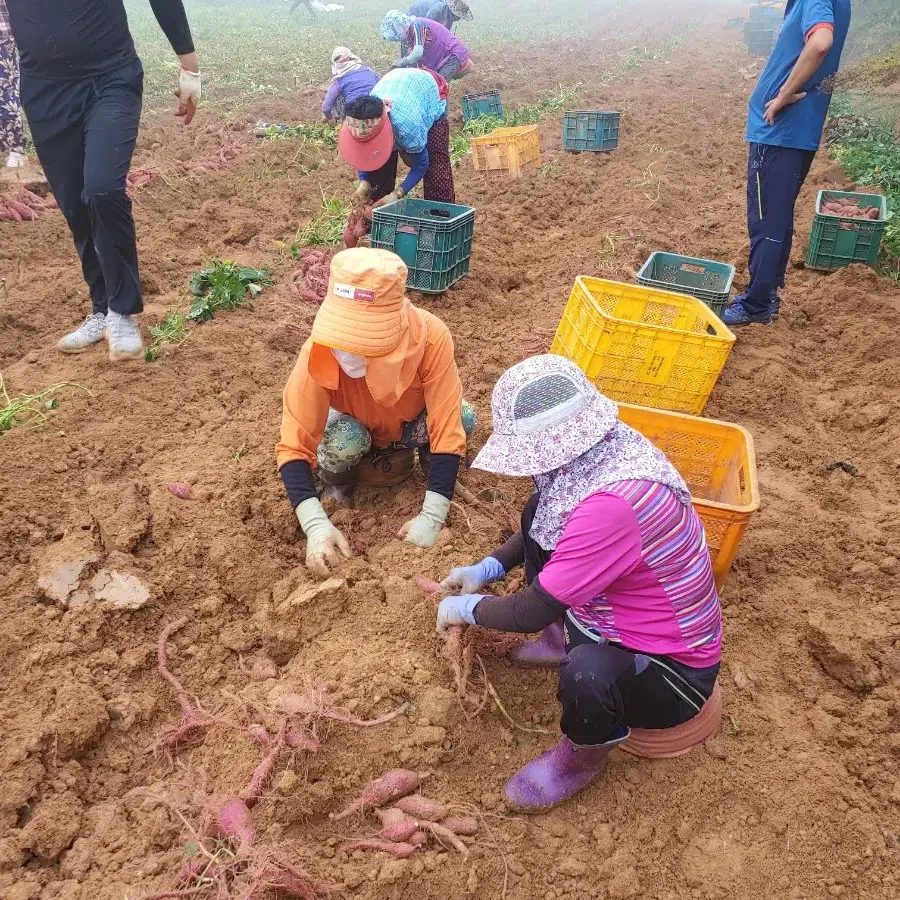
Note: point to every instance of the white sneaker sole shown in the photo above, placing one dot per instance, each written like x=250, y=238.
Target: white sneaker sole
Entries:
x=116, y=357
x=73, y=350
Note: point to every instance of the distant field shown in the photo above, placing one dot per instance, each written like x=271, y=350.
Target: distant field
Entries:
x=250, y=48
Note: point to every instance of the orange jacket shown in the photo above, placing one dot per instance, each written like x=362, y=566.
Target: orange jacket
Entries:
x=419, y=374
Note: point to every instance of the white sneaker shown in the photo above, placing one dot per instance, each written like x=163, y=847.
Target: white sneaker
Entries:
x=16, y=160
x=123, y=334
x=90, y=332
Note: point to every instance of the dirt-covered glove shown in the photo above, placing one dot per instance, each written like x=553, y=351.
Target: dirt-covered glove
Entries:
x=458, y=610
x=324, y=543
x=469, y=579
x=393, y=197
x=426, y=526
x=361, y=194
x=188, y=94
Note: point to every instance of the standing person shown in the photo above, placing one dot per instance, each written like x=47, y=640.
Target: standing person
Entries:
x=404, y=115
x=12, y=135
x=82, y=84
x=377, y=376
x=444, y=12
x=784, y=129
x=426, y=44
x=619, y=579
x=350, y=81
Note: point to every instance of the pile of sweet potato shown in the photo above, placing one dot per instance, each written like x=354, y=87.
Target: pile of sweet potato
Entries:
x=25, y=206
x=849, y=209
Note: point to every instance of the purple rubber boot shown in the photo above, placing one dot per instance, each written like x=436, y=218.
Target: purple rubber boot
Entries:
x=546, y=651
x=558, y=774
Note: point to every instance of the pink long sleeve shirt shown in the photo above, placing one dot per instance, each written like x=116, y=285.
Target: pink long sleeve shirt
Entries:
x=633, y=566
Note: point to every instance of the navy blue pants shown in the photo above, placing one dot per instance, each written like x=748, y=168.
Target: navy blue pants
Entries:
x=774, y=178
x=84, y=131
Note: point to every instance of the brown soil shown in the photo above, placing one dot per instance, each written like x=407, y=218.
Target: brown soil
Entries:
x=799, y=795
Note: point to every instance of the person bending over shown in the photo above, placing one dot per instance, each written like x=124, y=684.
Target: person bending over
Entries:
x=350, y=81
x=406, y=116
x=444, y=12
x=426, y=44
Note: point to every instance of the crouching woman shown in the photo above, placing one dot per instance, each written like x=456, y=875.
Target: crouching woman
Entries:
x=618, y=574
x=376, y=380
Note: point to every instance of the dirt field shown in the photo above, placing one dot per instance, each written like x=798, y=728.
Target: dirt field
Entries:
x=798, y=797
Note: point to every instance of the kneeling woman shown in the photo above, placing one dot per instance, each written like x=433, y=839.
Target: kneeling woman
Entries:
x=618, y=574
x=376, y=380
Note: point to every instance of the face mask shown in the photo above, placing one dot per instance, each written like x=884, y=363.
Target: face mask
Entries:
x=352, y=364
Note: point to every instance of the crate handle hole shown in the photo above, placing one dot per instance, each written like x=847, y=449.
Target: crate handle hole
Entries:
x=439, y=213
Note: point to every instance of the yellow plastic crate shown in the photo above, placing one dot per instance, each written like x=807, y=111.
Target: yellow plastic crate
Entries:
x=642, y=345
x=718, y=462
x=507, y=151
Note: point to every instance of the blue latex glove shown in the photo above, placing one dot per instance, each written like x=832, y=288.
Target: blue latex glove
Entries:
x=458, y=610
x=469, y=579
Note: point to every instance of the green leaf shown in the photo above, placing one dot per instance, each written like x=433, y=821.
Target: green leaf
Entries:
x=191, y=850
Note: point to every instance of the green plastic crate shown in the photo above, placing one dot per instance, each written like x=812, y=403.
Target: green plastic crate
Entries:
x=838, y=241
x=704, y=279
x=596, y=130
x=760, y=39
x=433, y=239
x=487, y=103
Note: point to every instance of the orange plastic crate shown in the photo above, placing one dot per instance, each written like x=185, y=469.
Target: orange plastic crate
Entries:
x=718, y=462
x=507, y=151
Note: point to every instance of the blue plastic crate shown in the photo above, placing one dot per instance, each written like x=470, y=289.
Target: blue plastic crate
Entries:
x=433, y=239
x=596, y=130
x=704, y=279
x=487, y=103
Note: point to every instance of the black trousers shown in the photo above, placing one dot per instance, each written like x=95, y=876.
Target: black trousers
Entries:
x=84, y=131
x=603, y=686
x=438, y=182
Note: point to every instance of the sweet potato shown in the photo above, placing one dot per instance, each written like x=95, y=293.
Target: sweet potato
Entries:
x=232, y=823
x=462, y=827
x=401, y=850
x=262, y=773
x=301, y=740
x=391, y=786
x=444, y=834
x=427, y=585
x=180, y=489
x=420, y=807
x=191, y=729
x=26, y=212
x=396, y=825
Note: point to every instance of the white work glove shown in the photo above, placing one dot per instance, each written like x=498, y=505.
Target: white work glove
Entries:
x=426, y=526
x=188, y=94
x=459, y=610
x=468, y=579
x=324, y=543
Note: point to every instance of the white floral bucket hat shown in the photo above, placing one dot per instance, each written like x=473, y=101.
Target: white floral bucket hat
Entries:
x=546, y=414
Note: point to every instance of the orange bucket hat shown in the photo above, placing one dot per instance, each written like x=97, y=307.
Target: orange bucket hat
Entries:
x=364, y=310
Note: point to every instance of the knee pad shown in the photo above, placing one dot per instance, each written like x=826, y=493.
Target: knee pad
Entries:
x=469, y=418
x=344, y=443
